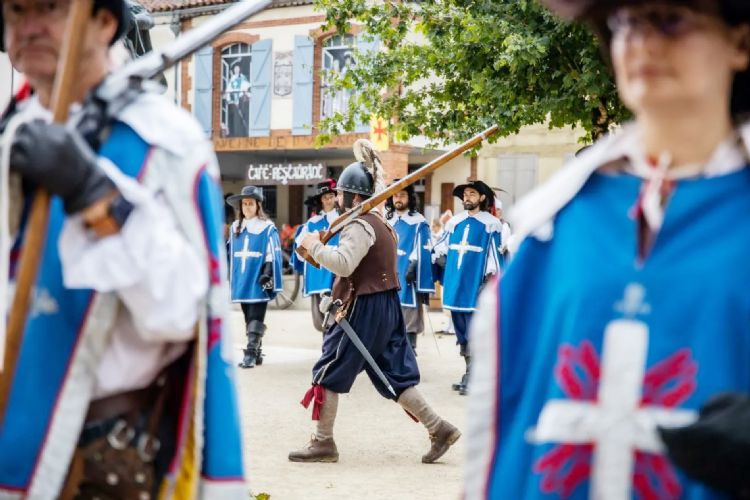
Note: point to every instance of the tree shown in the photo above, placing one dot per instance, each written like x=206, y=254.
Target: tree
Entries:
x=448, y=68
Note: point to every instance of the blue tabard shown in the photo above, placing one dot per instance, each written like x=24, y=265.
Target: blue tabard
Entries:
x=248, y=253
x=298, y=264
x=413, y=244
x=473, y=244
x=583, y=322
x=319, y=280
x=62, y=318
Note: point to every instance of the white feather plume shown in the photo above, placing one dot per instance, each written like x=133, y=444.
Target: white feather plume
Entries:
x=364, y=151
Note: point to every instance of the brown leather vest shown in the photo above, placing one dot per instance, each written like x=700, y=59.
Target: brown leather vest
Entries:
x=377, y=270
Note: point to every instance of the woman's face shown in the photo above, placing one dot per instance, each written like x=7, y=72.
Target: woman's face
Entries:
x=249, y=208
x=669, y=57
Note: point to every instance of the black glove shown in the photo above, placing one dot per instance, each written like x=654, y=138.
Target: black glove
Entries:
x=716, y=449
x=58, y=159
x=266, y=276
x=411, y=272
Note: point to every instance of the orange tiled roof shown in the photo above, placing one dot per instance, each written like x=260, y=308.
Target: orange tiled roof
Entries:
x=170, y=5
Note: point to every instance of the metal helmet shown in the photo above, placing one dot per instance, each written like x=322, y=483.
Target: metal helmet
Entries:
x=118, y=8
x=355, y=179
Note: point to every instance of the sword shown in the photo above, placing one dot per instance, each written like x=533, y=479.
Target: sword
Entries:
x=363, y=350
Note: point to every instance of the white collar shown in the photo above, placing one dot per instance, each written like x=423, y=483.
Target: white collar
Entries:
x=411, y=219
x=255, y=225
x=491, y=223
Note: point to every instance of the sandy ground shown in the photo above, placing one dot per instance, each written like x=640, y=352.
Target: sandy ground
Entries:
x=380, y=448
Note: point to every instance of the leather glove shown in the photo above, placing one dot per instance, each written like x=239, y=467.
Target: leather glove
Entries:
x=411, y=272
x=716, y=449
x=58, y=159
x=266, y=276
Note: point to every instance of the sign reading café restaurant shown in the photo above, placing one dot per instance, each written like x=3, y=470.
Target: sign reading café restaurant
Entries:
x=286, y=173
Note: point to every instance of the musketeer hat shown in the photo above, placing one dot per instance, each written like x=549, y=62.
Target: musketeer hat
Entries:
x=253, y=192
x=594, y=12
x=119, y=8
x=325, y=187
x=479, y=186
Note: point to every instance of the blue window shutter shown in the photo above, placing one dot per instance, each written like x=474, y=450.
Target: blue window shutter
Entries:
x=203, y=98
x=302, y=78
x=366, y=45
x=260, y=89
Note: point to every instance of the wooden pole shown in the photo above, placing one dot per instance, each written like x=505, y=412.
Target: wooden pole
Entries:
x=36, y=231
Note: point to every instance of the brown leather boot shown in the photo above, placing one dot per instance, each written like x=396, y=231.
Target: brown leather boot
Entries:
x=316, y=451
x=443, y=439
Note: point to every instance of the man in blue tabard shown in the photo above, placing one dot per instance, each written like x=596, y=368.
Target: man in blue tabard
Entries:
x=122, y=387
x=319, y=281
x=467, y=255
x=366, y=293
x=414, y=259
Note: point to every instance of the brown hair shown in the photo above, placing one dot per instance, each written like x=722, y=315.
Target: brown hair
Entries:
x=261, y=214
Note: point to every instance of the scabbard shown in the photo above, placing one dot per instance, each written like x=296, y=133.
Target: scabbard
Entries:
x=347, y=327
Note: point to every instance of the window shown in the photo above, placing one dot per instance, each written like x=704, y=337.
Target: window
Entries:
x=338, y=57
x=517, y=176
x=235, y=90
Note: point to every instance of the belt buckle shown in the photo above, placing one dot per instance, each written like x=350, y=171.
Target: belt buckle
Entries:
x=148, y=446
x=121, y=435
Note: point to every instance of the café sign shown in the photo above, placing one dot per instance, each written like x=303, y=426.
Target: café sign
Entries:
x=286, y=173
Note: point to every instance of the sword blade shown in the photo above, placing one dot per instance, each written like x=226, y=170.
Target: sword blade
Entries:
x=365, y=353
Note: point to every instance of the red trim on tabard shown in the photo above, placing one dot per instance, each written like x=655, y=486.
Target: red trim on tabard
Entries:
x=25, y=488
x=213, y=260
x=144, y=166
x=182, y=424
x=496, y=394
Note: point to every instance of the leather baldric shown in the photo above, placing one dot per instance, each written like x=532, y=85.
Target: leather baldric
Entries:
x=377, y=271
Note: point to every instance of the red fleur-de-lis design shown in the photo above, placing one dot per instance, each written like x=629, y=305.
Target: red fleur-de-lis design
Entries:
x=668, y=383
x=214, y=332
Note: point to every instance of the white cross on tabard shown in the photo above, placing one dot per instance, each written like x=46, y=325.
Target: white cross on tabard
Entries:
x=616, y=424
x=464, y=247
x=400, y=252
x=245, y=254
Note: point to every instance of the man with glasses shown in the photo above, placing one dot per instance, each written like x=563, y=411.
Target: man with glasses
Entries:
x=124, y=344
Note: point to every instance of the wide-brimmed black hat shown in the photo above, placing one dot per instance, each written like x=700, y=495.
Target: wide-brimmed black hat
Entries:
x=117, y=7
x=594, y=12
x=479, y=186
x=325, y=187
x=253, y=192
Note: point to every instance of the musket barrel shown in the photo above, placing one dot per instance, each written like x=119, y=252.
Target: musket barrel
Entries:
x=410, y=179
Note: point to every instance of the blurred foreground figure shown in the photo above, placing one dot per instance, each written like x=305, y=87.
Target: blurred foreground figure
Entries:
x=123, y=387
x=611, y=360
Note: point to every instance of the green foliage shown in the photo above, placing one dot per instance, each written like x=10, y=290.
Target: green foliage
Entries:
x=449, y=68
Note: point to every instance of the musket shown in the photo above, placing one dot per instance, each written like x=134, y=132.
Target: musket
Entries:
x=117, y=91
x=347, y=217
x=28, y=266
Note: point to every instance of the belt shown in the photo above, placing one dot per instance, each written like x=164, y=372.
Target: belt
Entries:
x=120, y=404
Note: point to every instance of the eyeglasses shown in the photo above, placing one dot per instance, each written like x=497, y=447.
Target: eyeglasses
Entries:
x=16, y=11
x=668, y=21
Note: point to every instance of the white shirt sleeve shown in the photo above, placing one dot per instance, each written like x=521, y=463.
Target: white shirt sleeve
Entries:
x=483, y=382
x=158, y=275
x=354, y=243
